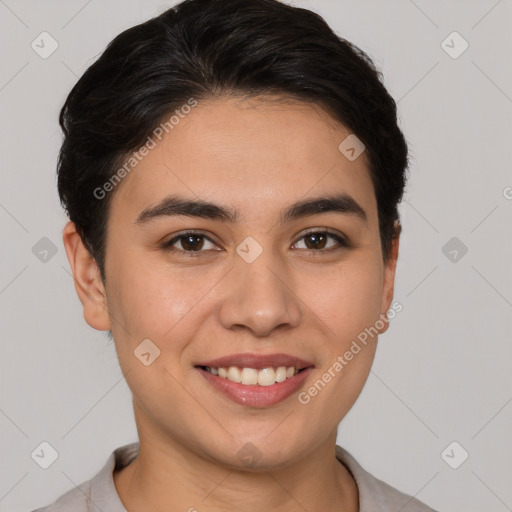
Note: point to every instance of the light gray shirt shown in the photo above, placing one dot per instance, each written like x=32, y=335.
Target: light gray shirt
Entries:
x=99, y=494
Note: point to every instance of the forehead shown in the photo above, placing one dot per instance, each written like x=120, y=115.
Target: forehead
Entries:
x=248, y=153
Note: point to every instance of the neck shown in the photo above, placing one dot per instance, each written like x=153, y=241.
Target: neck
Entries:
x=167, y=474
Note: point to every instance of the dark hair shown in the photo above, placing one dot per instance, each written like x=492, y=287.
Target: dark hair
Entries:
x=208, y=48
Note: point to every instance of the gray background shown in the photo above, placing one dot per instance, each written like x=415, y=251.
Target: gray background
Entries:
x=442, y=372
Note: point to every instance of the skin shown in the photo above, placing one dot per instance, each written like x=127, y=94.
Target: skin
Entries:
x=258, y=157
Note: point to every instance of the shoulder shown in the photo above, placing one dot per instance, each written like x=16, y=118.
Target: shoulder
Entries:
x=99, y=493
x=74, y=500
x=374, y=494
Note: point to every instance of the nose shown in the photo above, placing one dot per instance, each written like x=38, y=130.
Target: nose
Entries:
x=259, y=297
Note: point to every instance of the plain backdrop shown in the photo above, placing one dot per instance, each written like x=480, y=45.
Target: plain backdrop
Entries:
x=442, y=371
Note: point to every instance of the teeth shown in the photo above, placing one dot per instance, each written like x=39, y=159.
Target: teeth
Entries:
x=267, y=377
x=234, y=374
x=281, y=374
x=251, y=376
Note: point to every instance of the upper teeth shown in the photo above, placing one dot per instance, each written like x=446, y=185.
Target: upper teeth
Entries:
x=248, y=376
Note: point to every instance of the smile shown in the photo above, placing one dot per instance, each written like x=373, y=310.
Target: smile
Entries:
x=256, y=380
x=252, y=376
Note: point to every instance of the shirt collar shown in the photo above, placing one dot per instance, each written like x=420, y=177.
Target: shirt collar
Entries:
x=104, y=497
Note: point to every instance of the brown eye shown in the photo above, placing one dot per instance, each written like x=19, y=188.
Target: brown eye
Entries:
x=321, y=240
x=189, y=243
x=316, y=240
x=192, y=242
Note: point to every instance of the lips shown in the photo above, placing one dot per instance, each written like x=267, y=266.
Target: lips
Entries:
x=261, y=391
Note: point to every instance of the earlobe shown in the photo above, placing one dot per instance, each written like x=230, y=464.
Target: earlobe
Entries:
x=88, y=283
x=389, y=278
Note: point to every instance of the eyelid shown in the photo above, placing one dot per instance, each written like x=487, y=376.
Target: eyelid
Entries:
x=167, y=245
x=343, y=240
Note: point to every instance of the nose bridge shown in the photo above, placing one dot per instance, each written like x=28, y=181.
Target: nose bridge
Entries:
x=259, y=296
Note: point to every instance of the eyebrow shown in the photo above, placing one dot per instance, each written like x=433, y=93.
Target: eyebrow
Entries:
x=175, y=206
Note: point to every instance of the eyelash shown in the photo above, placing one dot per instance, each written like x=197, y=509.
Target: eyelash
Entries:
x=341, y=241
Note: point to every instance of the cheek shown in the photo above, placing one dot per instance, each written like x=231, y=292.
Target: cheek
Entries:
x=150, y=300
x=349, y=300
x=350, y=306
x=163, y=309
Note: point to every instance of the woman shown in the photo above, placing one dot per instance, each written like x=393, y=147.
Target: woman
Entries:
x=232, y=171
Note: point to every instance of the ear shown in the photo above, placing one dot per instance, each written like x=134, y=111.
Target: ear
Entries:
x=88, y=283
x=389, y=277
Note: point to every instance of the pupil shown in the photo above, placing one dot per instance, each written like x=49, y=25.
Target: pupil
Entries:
x=317, y=239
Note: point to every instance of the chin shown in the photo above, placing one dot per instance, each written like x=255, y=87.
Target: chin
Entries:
x=256, y=453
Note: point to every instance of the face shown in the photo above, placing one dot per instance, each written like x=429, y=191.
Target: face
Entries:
x=257, y=273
